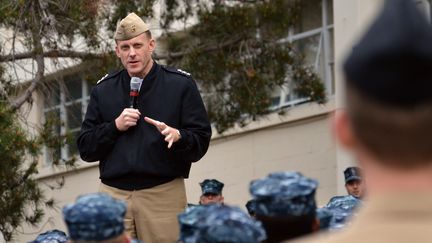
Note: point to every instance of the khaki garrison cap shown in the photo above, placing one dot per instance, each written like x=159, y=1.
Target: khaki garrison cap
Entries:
x=130, y=27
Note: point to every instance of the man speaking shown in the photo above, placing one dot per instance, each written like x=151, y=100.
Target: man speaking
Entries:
x=146, y=149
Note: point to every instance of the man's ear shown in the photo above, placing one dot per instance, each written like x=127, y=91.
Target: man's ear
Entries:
x=117, y=51
x=152, y=45
x=342, y=129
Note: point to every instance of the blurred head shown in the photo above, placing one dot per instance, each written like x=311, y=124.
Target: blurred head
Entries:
x=211, y=198
x=190, y=221
x=389, y=103
x=324, y=216
x=219, y=223
x=211, y=191
x=251, y=207
x=51, y=236
x=285, y=203
x=134, y=45
x=342, y=208
x=95, y=217
x=355, y=188
x=354, y=181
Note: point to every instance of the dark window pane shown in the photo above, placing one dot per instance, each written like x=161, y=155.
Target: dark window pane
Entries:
x=311, y=16
x=73, y=149
x=74, y=115
x=275, y=101
x=52, y=95
x=89, y=87
x=329, y=12
x=73, y=88
x=53, y=117
x=57, y=154
x=309, y=48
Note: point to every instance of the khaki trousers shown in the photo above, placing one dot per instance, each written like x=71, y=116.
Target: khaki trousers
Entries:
x=152, y=213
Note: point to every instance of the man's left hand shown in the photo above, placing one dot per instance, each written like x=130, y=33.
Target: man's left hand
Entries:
x=171, y=134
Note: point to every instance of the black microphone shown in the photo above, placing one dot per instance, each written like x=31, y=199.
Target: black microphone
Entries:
x=135, y=85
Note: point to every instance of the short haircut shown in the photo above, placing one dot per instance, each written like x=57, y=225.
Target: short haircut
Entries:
x=148, y=33
x=400, y=136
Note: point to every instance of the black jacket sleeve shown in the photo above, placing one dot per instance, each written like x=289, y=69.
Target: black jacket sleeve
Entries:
x=97, y=137
x=194, y=127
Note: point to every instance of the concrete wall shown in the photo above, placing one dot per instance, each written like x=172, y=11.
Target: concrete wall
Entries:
x=304, y=145
x=84, y=180
x=351, y=18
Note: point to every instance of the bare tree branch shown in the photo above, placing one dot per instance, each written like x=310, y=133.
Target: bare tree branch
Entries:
x=87, y=55
x=173, y=55
x=53, y=54
x=18, y=102
x=38, y=49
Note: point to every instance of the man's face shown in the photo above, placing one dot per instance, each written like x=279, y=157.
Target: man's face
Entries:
x=135, y=54
x=211, y=198
x=355, y=188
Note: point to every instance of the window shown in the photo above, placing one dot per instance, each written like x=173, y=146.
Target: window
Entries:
x=313, y=37
x=66, y=103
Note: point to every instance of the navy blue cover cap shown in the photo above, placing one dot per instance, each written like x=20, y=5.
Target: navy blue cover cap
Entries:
x=342, y=208
x=230, y=225
x=283, y=194
x=352, y=173
x=212, y=186
x=95, y=217
x=190, y=221
x=391, y=63
x=51, y=236
x=216, y=223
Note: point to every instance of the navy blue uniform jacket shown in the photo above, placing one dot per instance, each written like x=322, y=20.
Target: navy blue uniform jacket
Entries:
x=139, y=158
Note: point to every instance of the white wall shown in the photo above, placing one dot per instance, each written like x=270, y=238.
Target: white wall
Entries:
x=351, y=18
x=85, y=180
x=303, y=145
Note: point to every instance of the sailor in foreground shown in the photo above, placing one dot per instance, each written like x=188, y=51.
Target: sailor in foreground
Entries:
x=387, y=125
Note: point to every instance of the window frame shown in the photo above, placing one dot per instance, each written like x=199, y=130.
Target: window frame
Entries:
x=324, y=46
x=62, y=107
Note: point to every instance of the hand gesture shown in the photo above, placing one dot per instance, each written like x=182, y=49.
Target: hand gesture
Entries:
x=128, y=118
x=172, y=135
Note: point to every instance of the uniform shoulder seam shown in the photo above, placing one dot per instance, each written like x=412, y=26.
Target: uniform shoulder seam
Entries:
x=177, y=71
x=108, y=76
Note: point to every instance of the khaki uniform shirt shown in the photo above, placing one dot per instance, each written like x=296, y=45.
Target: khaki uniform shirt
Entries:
x=396, y=218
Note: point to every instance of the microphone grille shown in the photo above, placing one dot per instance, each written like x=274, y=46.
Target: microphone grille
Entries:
x=135, y=83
